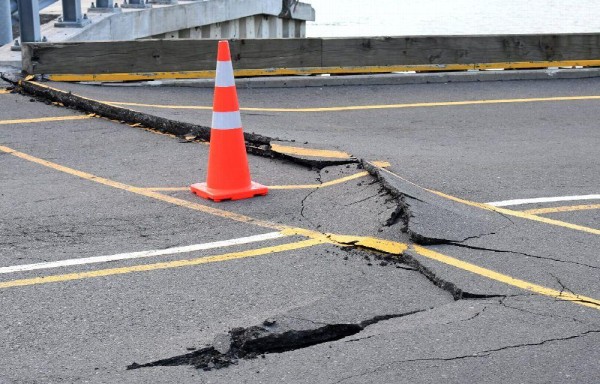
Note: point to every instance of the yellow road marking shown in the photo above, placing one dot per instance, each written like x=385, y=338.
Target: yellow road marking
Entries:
x=370, y=107
x=568, y=208
x=163, y=265
x=309, y=152
x=284, y=187
x=315, y=238
x=45, y=119
x=493, y=275
x=4, y=91
x=509, y=212
x=521, y=214
x=323, y=185
x=387, y=246
x=321, y=70
x=144, y=192
x=285, y=229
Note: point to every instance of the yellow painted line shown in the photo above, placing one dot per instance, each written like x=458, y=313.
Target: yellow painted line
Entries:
x=509, y=212
x=283, y=187
x=387, y=246
x=568, y=208
x=168, y=189
x=4, y=91
x=286, y=230
x=144, y=192
x=322, y=70
x=314, y=239
x=373, y=107
x=163, y=265
x=45, y=119
x=323, y=185
x=309, y=152
x=493, y=275
x=521, y=214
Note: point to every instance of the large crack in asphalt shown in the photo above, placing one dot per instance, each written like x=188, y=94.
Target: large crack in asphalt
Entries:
x=425, y=233
x=475, y=355
x=286, y=333
x=272, y=336
x=256, y=144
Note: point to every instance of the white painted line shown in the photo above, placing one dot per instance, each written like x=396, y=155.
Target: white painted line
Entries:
x=142, y=254
x=507, y=203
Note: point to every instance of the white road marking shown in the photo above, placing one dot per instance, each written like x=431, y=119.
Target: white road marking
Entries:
x=507, y=203
x=142, y=254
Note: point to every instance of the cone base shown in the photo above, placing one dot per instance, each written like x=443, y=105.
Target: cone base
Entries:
x=202, y=190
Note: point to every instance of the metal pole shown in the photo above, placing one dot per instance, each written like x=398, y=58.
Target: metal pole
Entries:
x=72, y=17
x=104, y=6
x=29, y=20
x=135, y=4
x=5, y=22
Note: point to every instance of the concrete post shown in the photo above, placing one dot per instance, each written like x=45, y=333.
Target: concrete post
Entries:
x=29, y=20
x=72, y=17
x=275, y=27
x=5, y=23
x=262, y=27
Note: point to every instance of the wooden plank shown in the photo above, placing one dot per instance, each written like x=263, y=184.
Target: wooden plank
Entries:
x=166, y=55
x=459, y=49
x=189, y=56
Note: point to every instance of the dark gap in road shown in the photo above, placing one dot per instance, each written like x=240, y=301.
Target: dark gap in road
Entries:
x=272, y=336
x=256, y=144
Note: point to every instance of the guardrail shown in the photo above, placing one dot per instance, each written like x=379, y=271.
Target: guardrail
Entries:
x=161, y=59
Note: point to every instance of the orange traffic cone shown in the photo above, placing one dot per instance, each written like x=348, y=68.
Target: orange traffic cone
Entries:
x=228, y=176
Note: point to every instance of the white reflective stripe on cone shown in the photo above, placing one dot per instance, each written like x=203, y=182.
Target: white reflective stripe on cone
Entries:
x=226, y=120
x=224, y=74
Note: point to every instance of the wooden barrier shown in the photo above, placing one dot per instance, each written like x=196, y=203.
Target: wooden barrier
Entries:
x=148, y=59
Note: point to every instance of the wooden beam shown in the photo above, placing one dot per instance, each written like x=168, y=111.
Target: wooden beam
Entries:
x=166, y=55
x=258, y=57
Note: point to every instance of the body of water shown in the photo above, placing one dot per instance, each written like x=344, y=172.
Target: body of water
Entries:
x=451, y=17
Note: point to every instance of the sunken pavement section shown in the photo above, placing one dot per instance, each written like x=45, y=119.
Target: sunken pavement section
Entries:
x=408, y=317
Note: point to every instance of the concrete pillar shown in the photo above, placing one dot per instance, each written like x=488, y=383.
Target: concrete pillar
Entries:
x=29, y=20
x=230, y=29
x=196, y=33
x=215, y=31
x=262, y=26
x=300, y=28
x=289, y=28
x=184, y=34
x=248, y=27
x=275, y=27
x=172, y=35
x=205, y=31
x=6, y=35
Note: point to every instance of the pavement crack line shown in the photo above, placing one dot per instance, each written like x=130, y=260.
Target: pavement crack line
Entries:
x=403, y=212
x=256, y=144
x=272, y=336
x=503, y=303
x=476, y=355
x=461, y=245
x=303, y=202
x=563, y=287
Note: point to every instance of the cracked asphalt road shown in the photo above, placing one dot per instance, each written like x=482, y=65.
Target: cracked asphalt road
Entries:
x=74, y=189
